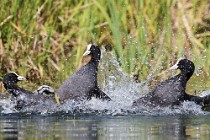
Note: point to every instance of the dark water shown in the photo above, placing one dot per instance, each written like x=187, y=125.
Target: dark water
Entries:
x=105, y=127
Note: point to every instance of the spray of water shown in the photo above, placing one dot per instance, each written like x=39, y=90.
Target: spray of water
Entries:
x=7, y=105
x=122, y=89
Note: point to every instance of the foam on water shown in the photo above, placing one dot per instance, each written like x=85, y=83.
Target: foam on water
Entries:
x=122, y=89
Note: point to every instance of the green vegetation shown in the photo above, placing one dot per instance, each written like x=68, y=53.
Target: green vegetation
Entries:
x=45, y=39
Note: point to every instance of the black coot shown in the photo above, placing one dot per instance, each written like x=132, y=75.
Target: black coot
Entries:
x=171, y=91
x=10, y=84
x=24, y=97
x=83, y=83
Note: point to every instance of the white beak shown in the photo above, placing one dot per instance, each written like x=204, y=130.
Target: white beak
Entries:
x=87, y=52
x=175, y=66
x=20, y=78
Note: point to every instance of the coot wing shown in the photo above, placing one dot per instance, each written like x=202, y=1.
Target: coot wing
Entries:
x=169, y=92
x=78, y=85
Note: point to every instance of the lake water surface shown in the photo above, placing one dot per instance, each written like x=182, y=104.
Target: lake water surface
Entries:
x=84, y=127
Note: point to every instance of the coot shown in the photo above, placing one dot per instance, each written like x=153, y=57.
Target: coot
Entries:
x=82, y=85
x=10, y=84
x=171, y=91
x=24, y=97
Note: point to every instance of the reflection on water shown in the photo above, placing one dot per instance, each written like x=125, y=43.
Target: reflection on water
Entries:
x=106, y=127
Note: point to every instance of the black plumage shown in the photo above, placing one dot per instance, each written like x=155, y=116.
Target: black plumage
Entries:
x=24, y=97
x=10, y=83
x=82, y=84
x=171, y=91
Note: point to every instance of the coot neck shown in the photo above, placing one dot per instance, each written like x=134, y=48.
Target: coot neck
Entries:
x=95, y=60
x=10, y=87
x=186, y=74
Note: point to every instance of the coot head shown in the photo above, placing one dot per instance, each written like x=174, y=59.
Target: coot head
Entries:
x=94, y=52
x=186, y=66
x=11, y=79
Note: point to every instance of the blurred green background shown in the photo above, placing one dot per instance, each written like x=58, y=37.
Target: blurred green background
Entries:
x=44, y=39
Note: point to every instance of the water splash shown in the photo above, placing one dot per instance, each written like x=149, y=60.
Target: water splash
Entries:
x=7, y=105
x=123, y=90
x=186, y=108
x=118, y=85
x=204, y=93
